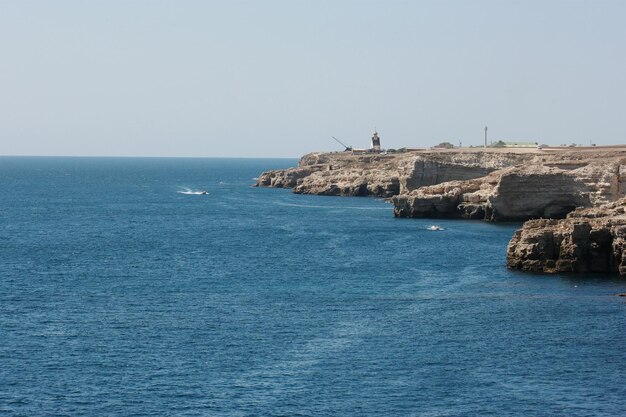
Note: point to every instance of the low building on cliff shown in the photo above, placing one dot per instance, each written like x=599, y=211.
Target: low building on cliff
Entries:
x=518, y=144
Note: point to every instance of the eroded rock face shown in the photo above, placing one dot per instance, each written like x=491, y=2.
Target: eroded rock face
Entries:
x=436, y=168
x=381, y=175
x=515, y=194
x=338, y=174
x=285, y=178
x=588, y=240
x=441, y=201
x=542, y=192
x=487, y=185
x=577, y=199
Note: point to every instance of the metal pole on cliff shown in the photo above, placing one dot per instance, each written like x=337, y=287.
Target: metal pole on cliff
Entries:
x=485, y=136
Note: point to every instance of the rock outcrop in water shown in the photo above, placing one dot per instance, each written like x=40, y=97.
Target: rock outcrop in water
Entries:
x=511, y=194
x=550, y=186
x=496, y=185
x=576, y=197
x=588, y=240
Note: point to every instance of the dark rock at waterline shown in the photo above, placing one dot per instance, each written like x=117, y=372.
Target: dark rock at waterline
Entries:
x=588, y=240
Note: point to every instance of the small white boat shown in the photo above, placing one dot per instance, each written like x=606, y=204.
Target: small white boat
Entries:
x=434, y=228
x=190, y=192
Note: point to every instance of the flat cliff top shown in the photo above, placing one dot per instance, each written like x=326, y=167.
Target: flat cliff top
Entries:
x=562, y=155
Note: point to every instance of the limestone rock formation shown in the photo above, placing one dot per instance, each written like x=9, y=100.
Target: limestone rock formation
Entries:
x=588, y=240
x=384, y=175
x=550, y=186
x=510, y=194
x=286, y=178
x=493, y=185
x=577, y=198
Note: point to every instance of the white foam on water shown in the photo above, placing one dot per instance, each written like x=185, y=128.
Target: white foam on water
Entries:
x=189, y=191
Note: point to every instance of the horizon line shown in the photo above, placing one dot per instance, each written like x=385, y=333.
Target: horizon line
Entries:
x=146, y=156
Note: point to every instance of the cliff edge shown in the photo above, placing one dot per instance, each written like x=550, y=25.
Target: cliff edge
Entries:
x=575, y=199
x=492, y=184
x=385, y=175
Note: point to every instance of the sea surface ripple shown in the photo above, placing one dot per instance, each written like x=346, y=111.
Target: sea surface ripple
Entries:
x=124, y=291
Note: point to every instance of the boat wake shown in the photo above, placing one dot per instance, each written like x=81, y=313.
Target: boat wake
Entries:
x=188, y=191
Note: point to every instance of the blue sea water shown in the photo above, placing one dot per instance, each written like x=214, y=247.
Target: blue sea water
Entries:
x=120, y=295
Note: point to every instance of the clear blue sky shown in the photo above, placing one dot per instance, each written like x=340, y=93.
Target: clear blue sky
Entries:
x=278, y=78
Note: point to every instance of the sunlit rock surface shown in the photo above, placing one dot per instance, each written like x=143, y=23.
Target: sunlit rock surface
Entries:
x=588, y=240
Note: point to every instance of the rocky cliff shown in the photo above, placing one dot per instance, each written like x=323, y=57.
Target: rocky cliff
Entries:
x=510, y=194
x=386, y=175
x=549, y=186
x=588, y=240
x=577, y=198
x=493, y=185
